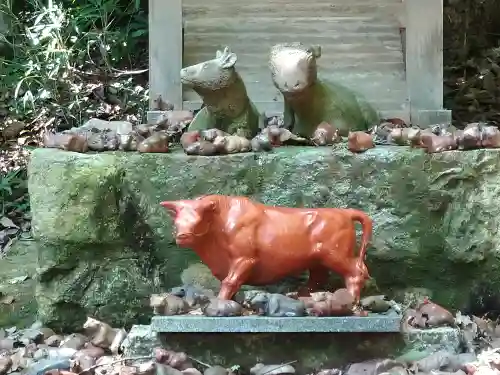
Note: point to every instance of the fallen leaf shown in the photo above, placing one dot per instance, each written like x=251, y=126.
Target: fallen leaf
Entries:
x=6, y=247
x=7, y=300
x=7, y=223
x=19, y=279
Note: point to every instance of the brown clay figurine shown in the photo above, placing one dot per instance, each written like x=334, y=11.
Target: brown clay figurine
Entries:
x=438, y=143
x=218, y=307
x=405, y=136
x=359, y=141
x=435, y=315
x=396, y=121
x=188, y=138
x=278, y=136
x=201, y=148
x=193, y=295
x=376, y=304
x=326, y=135
x=381, y=133
x=145, y=130
x=131, y=141
x=339, y=303
x=261, y=143
x=167, y=304
x=246, y=242
x=231, y=144
x=157, y=142
x=210, y=134
x=470, y=137
x=490, y=137
x=173, y=119
x=177, y=360
x=277, y=305
x=66, y=142
x=103, y=335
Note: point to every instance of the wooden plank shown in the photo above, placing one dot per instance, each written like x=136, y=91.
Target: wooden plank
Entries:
x=259, y=3
x=165, y=51
x=424, y=54
x=267, y=10
x=352, y=61
x=282, y=26
x=275, y=108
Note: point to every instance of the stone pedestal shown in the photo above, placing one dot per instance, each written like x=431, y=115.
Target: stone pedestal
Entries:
x=315, y=343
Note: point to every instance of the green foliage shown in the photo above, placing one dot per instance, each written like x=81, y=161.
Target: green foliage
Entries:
x=65, y=59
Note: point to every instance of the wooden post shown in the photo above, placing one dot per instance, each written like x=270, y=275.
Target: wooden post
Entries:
x=165, y=51
x=424, y=57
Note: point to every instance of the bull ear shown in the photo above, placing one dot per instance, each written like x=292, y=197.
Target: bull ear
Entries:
x=218, y=54
x=208, y=206
x=171, y=206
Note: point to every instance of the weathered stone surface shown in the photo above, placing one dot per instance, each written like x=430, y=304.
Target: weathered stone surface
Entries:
x=315, y=350
x=105, y=243
x=140, y=341
x=260, y=324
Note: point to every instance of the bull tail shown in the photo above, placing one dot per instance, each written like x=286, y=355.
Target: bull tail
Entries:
x=367, y=225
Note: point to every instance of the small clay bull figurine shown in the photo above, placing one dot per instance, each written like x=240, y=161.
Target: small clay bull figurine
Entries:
x=226, y=103
x=247, y=242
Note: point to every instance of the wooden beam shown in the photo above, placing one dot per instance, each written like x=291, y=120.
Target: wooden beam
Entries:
x=424, y=54
x=165, y=51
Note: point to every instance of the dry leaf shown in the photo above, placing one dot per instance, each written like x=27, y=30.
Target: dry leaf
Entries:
x=7, y=223
x=7, y=300
x=19, y=279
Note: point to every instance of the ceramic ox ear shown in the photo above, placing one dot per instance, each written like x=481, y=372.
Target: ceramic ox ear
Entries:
x=207, y=206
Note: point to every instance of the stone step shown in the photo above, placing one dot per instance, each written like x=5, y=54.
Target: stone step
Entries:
x=317, y=350
x=262, y=324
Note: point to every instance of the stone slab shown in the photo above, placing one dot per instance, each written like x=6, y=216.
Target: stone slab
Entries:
x=441, y=338
x=104, y=242
x=261, y=324
x=140, y=341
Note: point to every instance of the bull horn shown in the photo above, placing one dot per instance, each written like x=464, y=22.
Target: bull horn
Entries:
x=172, y=206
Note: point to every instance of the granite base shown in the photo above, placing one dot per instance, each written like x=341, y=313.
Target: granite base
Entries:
x=315, y=343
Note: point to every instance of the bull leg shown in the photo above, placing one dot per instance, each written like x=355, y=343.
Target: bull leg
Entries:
x=238, y=273
x=354, y=283
x=318, y=278
x=354, y=277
